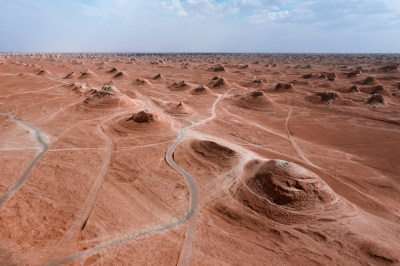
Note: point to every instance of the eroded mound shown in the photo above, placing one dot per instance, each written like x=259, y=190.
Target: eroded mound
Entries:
x=283, y=86
x=200, y=90
x=182, y=85
x=143, y=121
x=219, y=69
x=220, y=82
x=376, y=99
x=354, y=89
x=121, y=74
x=87, y=74
x=142, y=117
x=71, y=75
x=253, y=100
x=158, y=76
x=206, y=156
x=354, y=73
x=113, y=70
x=369, y=80
x=327, y=96
x=107, y=97
x=393, y=67
x=141, y=81
x=43, y=72
x=276, y=186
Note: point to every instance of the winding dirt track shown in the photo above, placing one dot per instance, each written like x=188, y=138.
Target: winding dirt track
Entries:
x=45, y=147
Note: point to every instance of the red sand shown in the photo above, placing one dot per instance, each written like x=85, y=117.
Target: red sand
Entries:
x=279, y=160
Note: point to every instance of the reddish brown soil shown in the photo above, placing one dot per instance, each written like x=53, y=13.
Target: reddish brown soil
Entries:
x=278, y=160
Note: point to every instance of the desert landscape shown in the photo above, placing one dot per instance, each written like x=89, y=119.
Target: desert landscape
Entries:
x=199, y=159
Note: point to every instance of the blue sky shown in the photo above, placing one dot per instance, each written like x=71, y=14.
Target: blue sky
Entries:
x=200, y=26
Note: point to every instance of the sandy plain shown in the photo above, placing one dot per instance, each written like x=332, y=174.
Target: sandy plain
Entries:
x=199, y=159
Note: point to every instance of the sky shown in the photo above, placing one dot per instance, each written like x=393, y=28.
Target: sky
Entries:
x=255, y=26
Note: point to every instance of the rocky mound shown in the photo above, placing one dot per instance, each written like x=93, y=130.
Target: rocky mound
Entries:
x=142, y=117
x=143, y=121
x=331, y=76
x=219, y=69
x=158, y=77
x=81, y=89
x=87, y=74
x=393, y=67
x=256, y=100
x=378, y=89
x=43, y=72
x=141, y=81
x=220, y=83
x=327, y=96
x=284, y=191
x=180, y=86
x=376, y=99
x=113, y=70
x=283, y=86
x=354, y=89
x=369, y=81
x=174, y=108
x=200, y=90
x=71, y=75
x=354, y=73
x=121, y=74
x=107, y=97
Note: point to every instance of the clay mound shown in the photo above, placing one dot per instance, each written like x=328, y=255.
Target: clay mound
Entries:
x=179, y=86
x=87, y=74
x=219, y=69
x=121, y=74
x=220, y=83
x=331, y=76
x=210, y=155
x=141, y=81
x=284, y=86
x=158, y=77
x=113, y=70
x=107, y=97
x=174, y=108
x=142, y=117
x=354, y=73
x=378, y=89
x=23, y=75
x=43, y=72
x=200, y=90
x=80, y=88
x=376, y=99
x=253, y=100
x=309, y=76
x=369, y=81
x=327, y=96
x=354, y=89
x=284, y=191
x=71, y=75
x=143, y=121
x=393, y=67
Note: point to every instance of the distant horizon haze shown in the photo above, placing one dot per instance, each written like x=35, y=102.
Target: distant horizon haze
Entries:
x=200, y=26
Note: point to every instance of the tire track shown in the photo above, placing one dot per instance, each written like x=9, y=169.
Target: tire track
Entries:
x=10, y=193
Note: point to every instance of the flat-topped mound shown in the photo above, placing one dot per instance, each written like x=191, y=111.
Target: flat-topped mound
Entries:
x=108, y=97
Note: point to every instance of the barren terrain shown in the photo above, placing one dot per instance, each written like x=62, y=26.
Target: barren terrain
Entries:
x=199, y=159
